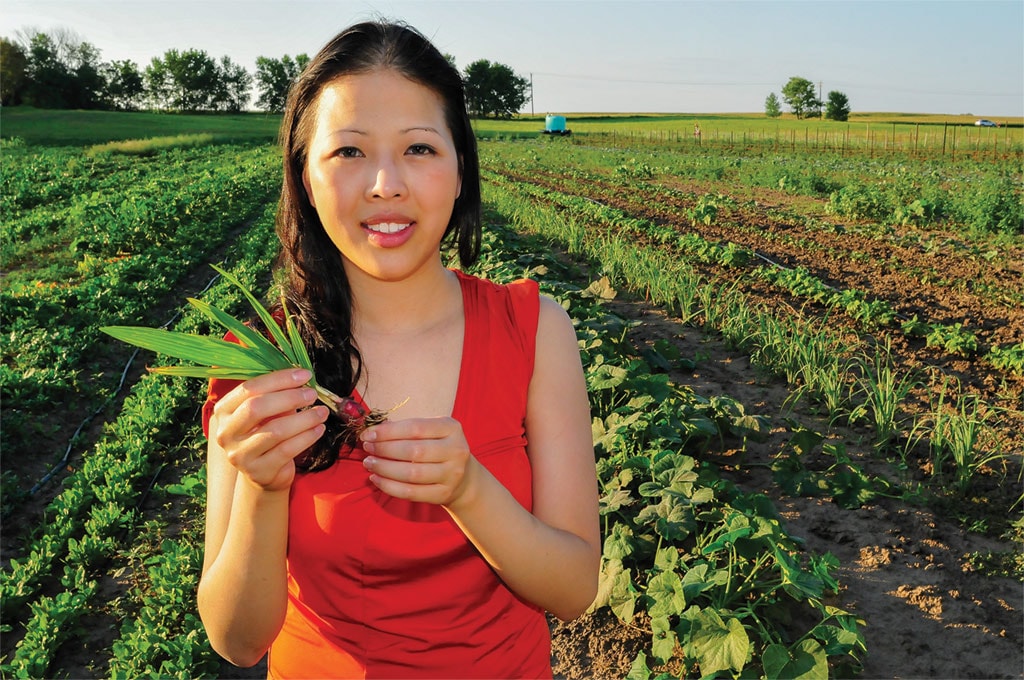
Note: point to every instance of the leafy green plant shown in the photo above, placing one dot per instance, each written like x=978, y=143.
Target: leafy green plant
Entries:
x=215, y=358
x=954, y=339
x=846, y=483
x=859, y=201
x=1010, y=358
x=706, y=209
x=635, y=169
x=920, y=211
x=993, y=205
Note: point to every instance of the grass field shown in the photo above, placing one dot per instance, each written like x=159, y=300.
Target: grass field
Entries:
x=52, y=127
x=81, y=128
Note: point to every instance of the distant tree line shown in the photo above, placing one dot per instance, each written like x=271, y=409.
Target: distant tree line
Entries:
x=58, y=70
x=798, y=94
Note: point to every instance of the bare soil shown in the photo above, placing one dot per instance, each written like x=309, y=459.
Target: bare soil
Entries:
x=903, y=566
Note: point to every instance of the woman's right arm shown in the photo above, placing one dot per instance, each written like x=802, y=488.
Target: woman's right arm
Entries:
x=255, y=433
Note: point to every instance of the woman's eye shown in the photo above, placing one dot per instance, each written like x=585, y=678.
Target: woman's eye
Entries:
x=420, y=150
x=348, y=152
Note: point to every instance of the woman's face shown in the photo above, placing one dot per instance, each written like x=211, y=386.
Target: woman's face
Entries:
x=382, y=173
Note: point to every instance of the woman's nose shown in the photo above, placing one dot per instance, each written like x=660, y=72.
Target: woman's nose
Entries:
x=387, y=182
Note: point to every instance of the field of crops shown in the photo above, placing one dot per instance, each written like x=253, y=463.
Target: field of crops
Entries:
x=806, y=371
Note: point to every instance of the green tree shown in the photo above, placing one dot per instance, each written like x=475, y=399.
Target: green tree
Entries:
x=124, y=85
x=157, y=82
x=799, y=95
x=274, y=77
x=87, y=83
x=62, y=71
x=233, y=87
x=772, y=107
x=13, y=63
x=47, y=75
x=183, y=81
x=494, y=89
x=838, y=106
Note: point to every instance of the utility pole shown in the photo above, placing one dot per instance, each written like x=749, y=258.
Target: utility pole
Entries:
x=821, y=104
x=531, y=94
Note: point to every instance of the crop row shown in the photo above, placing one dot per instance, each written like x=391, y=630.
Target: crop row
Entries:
x=984, y=197
x=126, y=247
x=87, y=522
x=648, y=190
x=869, y=313
x=858, y=384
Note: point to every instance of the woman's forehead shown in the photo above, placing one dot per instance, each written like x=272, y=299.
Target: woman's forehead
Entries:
x=376, y=96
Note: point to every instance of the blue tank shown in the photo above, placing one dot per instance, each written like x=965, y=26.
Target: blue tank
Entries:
x=555, y=125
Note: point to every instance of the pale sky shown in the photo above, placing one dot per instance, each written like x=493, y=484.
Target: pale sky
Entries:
x=664, y=56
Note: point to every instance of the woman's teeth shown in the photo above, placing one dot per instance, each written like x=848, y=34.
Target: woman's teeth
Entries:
x=388, y=227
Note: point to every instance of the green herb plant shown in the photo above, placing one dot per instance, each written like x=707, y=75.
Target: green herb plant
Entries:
x=255, y=356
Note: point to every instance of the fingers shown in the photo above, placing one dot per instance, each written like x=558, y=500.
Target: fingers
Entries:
x=264, y=423
x=412, y=429
x=286, y=435
x=420, y=459
x=438, y=483
x=290, y=382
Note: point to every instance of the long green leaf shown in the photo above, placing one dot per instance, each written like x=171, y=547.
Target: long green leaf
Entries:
x=208, y=372
x=265, y=316
x=246, y=334
x=301, y=355
x=196, y=348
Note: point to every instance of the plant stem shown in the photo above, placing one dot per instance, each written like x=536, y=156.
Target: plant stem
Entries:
x=330, y=399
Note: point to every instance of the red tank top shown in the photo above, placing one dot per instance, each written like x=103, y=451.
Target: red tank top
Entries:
x=380, y=587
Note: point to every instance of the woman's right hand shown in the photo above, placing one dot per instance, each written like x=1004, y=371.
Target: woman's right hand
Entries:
x=264, y=423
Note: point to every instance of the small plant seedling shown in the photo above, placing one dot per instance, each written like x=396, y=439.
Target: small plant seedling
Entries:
x=254, y=354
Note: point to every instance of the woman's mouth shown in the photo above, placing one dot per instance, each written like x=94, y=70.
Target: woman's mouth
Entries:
x=388, y=234
x=388, y=227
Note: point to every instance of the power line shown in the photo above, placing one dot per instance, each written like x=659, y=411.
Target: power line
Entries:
x=705, y=83
x=643, y=82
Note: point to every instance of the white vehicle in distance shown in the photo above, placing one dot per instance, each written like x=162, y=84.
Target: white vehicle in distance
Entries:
x=984, y=122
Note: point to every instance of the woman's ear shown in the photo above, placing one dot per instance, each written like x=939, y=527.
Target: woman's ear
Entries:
x=309, y=191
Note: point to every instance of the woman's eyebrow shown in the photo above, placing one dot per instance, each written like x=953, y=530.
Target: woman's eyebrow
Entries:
x=424, y=128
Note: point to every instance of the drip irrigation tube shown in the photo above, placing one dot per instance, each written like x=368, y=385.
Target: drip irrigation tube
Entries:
x=758, y=255
x=124, y=376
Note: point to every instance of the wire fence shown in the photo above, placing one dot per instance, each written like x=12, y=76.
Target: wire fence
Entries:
x=917, y=140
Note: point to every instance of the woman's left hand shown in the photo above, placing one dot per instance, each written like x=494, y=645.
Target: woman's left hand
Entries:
x=419, y=459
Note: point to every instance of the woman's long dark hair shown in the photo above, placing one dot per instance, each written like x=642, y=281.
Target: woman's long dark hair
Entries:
x=314, y=279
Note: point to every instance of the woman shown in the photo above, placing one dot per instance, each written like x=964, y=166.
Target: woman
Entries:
x=435, y=545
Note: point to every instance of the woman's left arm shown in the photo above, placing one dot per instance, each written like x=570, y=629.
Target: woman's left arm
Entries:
x=550, y=557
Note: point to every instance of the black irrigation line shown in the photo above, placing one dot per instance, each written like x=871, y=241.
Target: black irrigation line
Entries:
x=756, y=254
x=124, y=376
